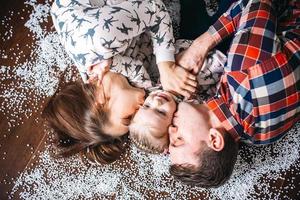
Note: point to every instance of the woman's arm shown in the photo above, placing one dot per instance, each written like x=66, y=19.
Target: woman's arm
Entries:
x=91, y=34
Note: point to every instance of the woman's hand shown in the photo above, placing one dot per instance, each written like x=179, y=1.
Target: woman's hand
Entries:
x=192, y=58
x=177, y=79
x=97, y=72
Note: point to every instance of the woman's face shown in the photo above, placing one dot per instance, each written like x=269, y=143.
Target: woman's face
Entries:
x=122, y=101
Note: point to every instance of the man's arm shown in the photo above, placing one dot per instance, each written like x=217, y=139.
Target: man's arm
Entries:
x=193, y=58
x=226, y=24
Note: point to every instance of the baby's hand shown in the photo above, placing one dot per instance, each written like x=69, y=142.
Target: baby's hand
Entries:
x=97, y=72
x=177, y=79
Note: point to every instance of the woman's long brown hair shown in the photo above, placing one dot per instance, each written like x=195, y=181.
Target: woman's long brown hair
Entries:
x=77, y=120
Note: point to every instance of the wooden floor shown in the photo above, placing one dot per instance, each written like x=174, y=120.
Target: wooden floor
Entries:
x=21, y=144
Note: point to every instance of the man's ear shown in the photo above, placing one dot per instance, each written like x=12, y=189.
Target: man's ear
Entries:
x=216, y=139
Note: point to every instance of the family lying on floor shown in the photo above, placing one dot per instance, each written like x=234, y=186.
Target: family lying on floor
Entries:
x=204, y=103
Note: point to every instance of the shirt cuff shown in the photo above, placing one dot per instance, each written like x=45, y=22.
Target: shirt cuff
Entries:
x=84, y=77
x=222, y=28
x=164, y=55
x=214, y=33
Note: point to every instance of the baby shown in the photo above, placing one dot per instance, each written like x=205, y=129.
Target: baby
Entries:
x=149, y=127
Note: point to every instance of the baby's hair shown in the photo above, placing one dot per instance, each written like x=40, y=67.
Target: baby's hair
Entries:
x=78, y=120
x=140, y=137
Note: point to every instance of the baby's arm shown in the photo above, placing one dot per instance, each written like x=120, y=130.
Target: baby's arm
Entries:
x=211, y=71
x=212, y=68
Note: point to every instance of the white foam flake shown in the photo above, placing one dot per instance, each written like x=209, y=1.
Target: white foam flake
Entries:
x=39, y=15
x=268, y=160
x=38, y=77
x=137, y=175
x=142, y=176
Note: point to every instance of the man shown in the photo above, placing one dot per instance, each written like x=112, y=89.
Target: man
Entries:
x=258, y=99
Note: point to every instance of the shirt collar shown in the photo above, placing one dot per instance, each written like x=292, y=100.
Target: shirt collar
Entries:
x=219, y=107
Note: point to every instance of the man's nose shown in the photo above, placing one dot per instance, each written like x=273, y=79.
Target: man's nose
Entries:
x=172, y=130
x=175, y=140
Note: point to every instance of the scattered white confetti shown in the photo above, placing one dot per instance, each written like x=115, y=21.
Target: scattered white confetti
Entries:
x=137, y=175
x=142, y=176
x=30, y=82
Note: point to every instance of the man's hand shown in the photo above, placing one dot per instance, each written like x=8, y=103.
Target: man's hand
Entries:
x=97, y=72
x=177, y=79
x=192, y=58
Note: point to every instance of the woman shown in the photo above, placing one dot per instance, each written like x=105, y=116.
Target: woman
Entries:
x=91, y=119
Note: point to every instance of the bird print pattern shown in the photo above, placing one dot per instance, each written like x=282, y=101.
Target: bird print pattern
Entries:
x=91, y=33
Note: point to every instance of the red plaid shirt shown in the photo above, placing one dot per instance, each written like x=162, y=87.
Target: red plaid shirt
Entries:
x=258, y=99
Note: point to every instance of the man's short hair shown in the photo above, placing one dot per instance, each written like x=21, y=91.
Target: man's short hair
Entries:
x=214, y=169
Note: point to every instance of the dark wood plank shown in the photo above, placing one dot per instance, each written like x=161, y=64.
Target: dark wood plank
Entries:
x=20, y=145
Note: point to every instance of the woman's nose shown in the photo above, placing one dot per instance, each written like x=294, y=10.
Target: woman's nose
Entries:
x=141, y=96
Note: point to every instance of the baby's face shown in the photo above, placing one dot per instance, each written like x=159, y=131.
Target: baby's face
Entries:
x=157, y=112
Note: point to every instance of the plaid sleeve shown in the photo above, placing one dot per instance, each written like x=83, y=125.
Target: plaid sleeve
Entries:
x=225, y=25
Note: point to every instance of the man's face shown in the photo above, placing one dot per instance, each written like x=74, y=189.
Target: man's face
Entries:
x=188, y=133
